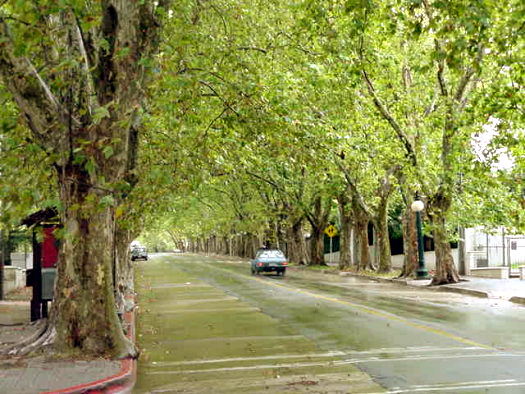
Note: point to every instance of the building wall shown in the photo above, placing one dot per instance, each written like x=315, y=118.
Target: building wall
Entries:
x=22, y=260
x=14, y=278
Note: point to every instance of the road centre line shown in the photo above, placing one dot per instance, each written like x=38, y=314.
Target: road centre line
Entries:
x=313, y=364
x=364, y=309
x=462, y=383
x=420, y=358
x=425, y=349
x=481, y=385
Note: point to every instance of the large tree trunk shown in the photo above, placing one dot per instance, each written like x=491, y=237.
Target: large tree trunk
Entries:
x=345, y=213
x=84, y=313
x=361, y=249
x=123, y=267
x=383, y=240
x=297, y=252
x=318, y=220
x=410, y=263
x=317, y=246
x=446, y=271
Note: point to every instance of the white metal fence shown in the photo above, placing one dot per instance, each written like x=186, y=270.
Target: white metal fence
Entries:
x=494, y=248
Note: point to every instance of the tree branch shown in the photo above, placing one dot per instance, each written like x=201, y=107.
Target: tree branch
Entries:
x=253, y=49
x=208, y=85
x=263, y=179
x=467, y=76
x=353, y=187
x=388, y=117
x=34, y=97
x=90, y=86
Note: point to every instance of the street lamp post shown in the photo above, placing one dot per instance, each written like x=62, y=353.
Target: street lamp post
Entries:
x=417, y=206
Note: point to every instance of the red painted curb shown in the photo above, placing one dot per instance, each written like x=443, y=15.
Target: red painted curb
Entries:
x=122, y=382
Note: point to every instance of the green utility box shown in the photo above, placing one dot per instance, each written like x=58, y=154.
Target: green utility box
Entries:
x=48, y=283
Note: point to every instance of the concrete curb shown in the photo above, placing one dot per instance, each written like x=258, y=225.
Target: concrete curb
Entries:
x=442, y=288
x=472, y=292
x=518, y=300
x=123, y=381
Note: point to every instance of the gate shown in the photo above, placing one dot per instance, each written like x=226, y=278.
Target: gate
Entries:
x=515, y=252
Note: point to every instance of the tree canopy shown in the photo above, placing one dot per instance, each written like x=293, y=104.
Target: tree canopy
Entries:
x=243, y=122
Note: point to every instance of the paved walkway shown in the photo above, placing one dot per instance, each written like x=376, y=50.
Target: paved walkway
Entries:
x=20, y=375
x=507, y=289
x=41, y=375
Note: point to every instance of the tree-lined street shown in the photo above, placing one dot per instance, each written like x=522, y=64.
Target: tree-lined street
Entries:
x=207, y=324
x=221, y=126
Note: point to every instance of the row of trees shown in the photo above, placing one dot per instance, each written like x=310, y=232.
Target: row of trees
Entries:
x=358, y=108
x=263, y=120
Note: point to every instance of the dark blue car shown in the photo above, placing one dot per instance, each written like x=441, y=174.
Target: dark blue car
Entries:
x=269, y=260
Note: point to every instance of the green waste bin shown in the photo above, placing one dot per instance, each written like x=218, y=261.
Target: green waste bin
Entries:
x=48, y=283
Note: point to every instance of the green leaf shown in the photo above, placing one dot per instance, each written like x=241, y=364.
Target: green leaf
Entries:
x=123, y=52
x=90, y=166
x=99, y=114
x=104, y=44
x=108, y=151
x=108, y=200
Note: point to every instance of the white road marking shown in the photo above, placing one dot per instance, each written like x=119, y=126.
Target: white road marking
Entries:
x=226, y=360
x=231, y=339
x=241, y=309
x=317, y=364
x=245, y=368
x=201, y=300
x=336, y=353
x=181, y=285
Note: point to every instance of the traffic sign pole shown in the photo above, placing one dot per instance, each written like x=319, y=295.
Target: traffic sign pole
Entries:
x=330, y=259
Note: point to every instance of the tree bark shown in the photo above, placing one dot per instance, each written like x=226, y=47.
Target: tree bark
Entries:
x=410, y=262
x=361, y=250
x=297, y=252
x=317, y=246
x=123, y=266
x=383, y=240
x=345, y=213
x=446, y=271
x=84, y=313
x=318, y=220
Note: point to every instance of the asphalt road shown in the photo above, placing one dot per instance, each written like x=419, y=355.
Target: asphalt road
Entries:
x=206, y=324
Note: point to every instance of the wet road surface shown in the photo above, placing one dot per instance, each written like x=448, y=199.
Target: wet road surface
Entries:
x=206, y=324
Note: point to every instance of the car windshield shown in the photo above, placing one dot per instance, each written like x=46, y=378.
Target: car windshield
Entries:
x=268, y=254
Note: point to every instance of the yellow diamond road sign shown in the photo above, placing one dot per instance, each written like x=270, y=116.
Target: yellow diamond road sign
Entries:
x=331, y=231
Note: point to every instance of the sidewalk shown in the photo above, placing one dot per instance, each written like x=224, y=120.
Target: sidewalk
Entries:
x=506, y=289
x=39, y=375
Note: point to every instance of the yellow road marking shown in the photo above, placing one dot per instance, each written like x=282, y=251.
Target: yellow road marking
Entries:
x=369, y=311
